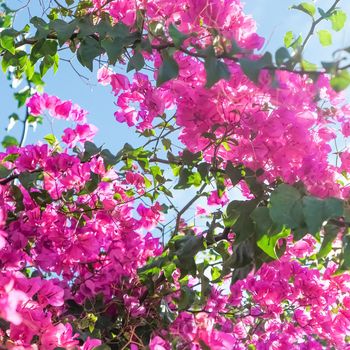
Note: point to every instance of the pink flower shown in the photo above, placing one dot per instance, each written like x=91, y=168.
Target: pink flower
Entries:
x=104, y=75
x=157, y=343
x=214, y=199
x=119, y=82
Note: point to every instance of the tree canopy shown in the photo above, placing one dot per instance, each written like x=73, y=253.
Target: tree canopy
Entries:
x=97, y=250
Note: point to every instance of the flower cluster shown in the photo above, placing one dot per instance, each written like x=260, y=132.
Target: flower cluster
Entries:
x=284, y=305
x=39, y=104
x=266, y=126
x=80, y=262
x=90, y=241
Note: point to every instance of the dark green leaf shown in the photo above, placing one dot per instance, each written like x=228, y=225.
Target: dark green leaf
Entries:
x=215, y=69
x=286, y=206
x=4, y=172
x=234, y=173
x=114, y=49
x=177, y=37
x=252, y=68
x=168, y=70
x=282, y=56
x=136, y=62
x=89, y=49
x=28, y=179
x=63, y=29
x=317, y=211
x=9, y=141
x=91, y=185
x=186, y=299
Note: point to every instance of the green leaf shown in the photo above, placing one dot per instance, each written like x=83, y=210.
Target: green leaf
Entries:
x=89, y=49
x=338, y=19
x=166, y=143
x=63, y=29
x=215, y=69
x=4, y=172
x=177, y=37
x=168, y=70
x=28, y=179
x=341, y=80
x=305, y=7
x=325, y=37
x=9, y=141
x=267, y=243
x=22, y=96
x=136, y=62
x=114, y=49
x=288, y=39
x=330, y=234
x=42, y=48
x=345, y=254
x=7, y=40
x=51, y=139
x=234, y=173
x=102, y=347
x=109, y=159
x=190, y=158
x=286, y=206
x=252, y=68
x=186, y=299
x=42, y=27
x=238, y=216
x=46, y=64
x=317, y=211
x=90, y=150
x=91, y=185
x=308, y=66
x=18, y=196
x=282, y=56
x=330, y=67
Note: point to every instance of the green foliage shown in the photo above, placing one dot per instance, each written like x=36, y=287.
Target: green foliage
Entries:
x=306, y=7
x=325, y=37
x=338, y=19
x=215, y=69
x=168, y=70
x=341, y=80
x=252, y=68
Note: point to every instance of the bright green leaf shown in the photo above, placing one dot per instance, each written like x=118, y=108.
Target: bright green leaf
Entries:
x=288, y=39
x=306, y=7
x=341, y=80
x=338, y=19
x=325, y=37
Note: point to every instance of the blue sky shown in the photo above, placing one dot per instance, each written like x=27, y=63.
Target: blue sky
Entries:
x=273, y=18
